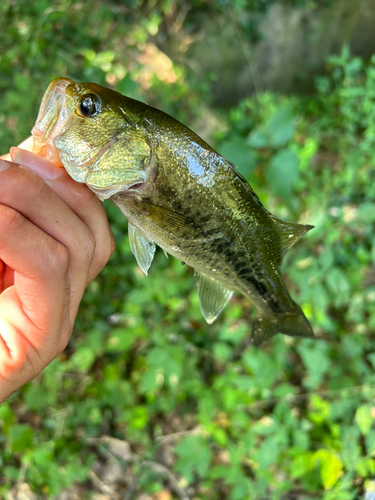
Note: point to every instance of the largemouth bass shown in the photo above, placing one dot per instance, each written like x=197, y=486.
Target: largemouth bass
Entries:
x=177, y=192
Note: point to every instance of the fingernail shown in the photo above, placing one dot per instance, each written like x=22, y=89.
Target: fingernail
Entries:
x=40, y=166
x=4, y=165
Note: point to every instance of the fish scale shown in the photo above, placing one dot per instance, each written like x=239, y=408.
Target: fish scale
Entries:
x=177, y=192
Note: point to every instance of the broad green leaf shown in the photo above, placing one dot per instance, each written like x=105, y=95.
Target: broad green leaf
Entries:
x=151, y=379
x=6, y=418
x=193, y=453
x=11, y=472
x=120, y=339
x=364, y=419
x=370, y=443
x=316, y=360
x=82, y=359
x=365, y=467
x=302, y=464
x=243, y=488
x=222, y=350
x=331, y=467
x=20, y=437
x=258, y=139
x=283, y=172
x=280, y=128
x=239, y=153
x=365, y=213
x=139, y=417
x=268, y=452
x=244, y=382
x=38, y=395
x=220, y=436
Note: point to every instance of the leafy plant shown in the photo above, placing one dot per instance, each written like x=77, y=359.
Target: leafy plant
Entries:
x=199, y=410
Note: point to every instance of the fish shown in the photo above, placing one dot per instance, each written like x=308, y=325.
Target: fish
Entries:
x=178, y=193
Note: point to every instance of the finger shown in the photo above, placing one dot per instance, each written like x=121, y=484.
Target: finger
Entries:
x=44, y=208
x=7, y=277
x=80, y=199
x=27, y=144
x=34, y=311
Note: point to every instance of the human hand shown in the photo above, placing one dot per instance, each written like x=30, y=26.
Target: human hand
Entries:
x=54, y=239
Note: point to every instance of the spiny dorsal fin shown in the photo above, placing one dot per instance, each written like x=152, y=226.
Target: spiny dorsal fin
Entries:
x=212, y=297
x=142, y=248
x=289, y=233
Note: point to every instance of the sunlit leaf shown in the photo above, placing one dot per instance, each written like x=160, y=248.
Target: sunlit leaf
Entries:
x=331, y=467
x=364, y=419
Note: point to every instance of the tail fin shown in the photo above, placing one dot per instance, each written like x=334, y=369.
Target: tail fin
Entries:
x=293, y=323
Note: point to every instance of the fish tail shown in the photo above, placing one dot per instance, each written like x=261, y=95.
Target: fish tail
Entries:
x=293, y=323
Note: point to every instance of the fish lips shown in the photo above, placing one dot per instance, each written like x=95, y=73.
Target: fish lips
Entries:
x=53, y=116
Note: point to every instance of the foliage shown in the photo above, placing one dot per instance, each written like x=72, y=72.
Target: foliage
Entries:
x=202, y=411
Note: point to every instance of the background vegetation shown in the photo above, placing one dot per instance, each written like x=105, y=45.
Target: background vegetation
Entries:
x=148, y=401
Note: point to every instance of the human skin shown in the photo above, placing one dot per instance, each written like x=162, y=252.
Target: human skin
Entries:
x=54, y=240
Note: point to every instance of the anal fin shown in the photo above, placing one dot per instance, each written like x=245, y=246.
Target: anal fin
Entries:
x=142, y=248
x=212, y=297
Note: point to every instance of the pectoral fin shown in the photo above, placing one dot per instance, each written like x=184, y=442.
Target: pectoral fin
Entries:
x=142, y=248
x=212, y=297
x=175, y=224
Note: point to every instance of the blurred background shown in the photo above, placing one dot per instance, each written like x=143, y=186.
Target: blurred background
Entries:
x=149, y=402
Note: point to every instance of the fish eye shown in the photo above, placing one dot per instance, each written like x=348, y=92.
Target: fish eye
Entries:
x=89, y=105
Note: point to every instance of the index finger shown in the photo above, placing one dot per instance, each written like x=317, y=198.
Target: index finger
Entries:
x=79, y=198
x=27, y=144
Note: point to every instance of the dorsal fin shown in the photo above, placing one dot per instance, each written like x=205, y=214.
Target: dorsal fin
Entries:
x=289, y=233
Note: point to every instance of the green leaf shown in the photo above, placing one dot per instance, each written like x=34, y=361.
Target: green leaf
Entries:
x=258, y=139
x=364, y=419
x=316, y=360
x=82, y=359
x=120, y=339
x=194, y=453
x=280, y=128
x=151, y=379
x=242, y=488
x=319, y=409
x=302, y=464
x=365, y=213
x=139, y=417
x=238, y=152
x=220, y=436
x=331, y=467
x=370, y=443
x=11, y=472
x=222, y=350
x=20, y=437
x=244, y=382
x=268, y=452
x=37, y=395
x=6, y=418
x=283, y=172
x=42, y=457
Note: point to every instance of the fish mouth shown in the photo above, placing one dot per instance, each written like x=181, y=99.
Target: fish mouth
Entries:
x=52, y=118
x=55, y=116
